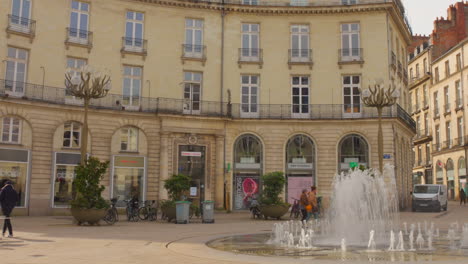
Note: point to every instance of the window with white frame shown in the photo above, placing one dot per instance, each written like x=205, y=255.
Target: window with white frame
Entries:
x=192, y=92
x=460, y=131
x=350, y=42
x=21, y=15
x=131, y=86
x=299, y=2
x=436, y=104
x=459, y=94
x=250, y=42
x=426, y=101
x=448, y=133
x=300, y=95
x=193, y=46
x=446, y=99
x=71, y=135
x=349, y=2
x=249, y=94
x=74, y=67
x=79, y=17
x=250, y=2
x=129, y=139
x=11, y=130
x=426, y=124
x=16, y=70
x=437, y=131
x=299, y=43
x=351, y=94
x=134, y=31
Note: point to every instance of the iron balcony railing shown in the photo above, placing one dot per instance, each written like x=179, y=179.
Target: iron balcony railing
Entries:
x=134, y=45
x=79, y=36
x=194, y=51
x=21, y=25
x=459, y=102
x=447, y=108
x=436, y=147
x=459, y=141
x=448, y=144
x=300, y=56
x=54, y=95
x=423, y=133
x=350, y=55
x=250, y=55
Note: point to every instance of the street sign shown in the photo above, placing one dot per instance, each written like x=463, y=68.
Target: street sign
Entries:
x=387, y=156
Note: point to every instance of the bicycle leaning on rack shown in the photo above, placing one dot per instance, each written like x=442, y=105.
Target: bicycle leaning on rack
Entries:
x=148, y=211
x=132, y=210
x=112, y=215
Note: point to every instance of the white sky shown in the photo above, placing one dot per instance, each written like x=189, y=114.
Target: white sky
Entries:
x=422, y=13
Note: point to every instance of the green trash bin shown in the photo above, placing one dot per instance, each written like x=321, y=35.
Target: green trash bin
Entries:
x=208, y=212
x=182, y=212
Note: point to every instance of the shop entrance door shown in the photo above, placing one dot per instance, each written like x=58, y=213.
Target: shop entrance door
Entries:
x=192, y=164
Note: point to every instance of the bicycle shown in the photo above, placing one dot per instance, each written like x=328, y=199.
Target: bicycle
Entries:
x=254, y=210
x=295, y=210
x=112, y=215
x=132, y=210
x=148, y=211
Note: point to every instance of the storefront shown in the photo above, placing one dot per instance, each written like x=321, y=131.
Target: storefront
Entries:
x=14, y=166
x=450, y=179
x=65, y=172
x=129, y=178
x=300, y=169
x=248, y=164
x=192, y=164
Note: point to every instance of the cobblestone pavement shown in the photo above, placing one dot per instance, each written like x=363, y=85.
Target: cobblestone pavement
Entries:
x=51, y=240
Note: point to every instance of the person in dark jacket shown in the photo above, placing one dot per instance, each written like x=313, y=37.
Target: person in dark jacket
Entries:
x=8, y=200
x=462, y=197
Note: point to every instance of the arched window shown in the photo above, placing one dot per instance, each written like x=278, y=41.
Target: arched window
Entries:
x=71, y=135
x=248, y=150
x=353, y=149
x=129, y=139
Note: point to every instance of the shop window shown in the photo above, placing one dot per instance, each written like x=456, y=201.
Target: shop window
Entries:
x=128, y=179
x=65, y=172
x=14, y=164
x=129, y=139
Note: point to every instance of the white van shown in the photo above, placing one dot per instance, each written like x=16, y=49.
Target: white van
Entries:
x=430, y=197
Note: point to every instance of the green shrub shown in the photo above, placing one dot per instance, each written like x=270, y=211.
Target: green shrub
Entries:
x=167, y=204
x=87, y=185
x=176, y=186
x=273, y=186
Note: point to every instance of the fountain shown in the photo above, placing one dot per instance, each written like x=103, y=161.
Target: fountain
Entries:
x=359, y=225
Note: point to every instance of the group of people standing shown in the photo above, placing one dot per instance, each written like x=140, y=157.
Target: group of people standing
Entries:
x=308, y=203
x=463, y=194
x=8, y=201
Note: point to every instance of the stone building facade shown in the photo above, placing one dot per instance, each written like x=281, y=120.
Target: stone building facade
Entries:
x=221, y=92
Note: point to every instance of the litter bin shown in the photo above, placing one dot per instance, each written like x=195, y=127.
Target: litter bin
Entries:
x=208, y=212
x=182, y=212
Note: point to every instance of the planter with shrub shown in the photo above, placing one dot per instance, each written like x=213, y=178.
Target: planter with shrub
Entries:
x=271, y=204
x=176, y=186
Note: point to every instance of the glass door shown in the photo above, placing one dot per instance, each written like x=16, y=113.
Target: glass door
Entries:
x=192, y=163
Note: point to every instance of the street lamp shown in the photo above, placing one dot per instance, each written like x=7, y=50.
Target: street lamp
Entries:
x=380, y=97
x=87, y=85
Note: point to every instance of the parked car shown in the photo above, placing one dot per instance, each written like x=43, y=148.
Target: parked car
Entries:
x=430, y=197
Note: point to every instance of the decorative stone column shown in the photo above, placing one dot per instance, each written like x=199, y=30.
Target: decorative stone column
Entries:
x=219, y=172
x=163, y=164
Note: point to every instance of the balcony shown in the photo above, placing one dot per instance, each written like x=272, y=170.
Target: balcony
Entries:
x=300, y=57
x=459, y=141
x=54, y=95
x=447, y=109
x=419, y=79
x=80, y=38
x=250, y=56
x=448, y=144
x=422, y=136
x=459, y=104
x=393, y=61
x=21, y=26
x=194, y=53
x=350, y=56
x=436, y=147
x=135, y=46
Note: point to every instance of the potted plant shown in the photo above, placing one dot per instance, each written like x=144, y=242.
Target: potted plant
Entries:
x=87, y=204
x=176, y=186
x=271, y=204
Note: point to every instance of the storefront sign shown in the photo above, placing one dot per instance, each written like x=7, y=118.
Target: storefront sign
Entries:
x=247, y=165
x=299, y=166
x=190, y=154
x=131, y=162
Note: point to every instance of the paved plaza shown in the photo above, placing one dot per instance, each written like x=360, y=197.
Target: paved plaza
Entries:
x=51, y=240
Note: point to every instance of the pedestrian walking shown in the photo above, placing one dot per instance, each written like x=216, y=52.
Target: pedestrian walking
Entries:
x=462, y=197
x=303, y=203
x=313, y=202
x=8, y=200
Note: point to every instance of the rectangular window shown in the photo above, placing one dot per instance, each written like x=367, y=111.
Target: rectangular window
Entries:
x=411, y=102
x=350, y=42
x=249, y=95
x=460, y=131
x=16, y=70
x=411, y=75
x=128, y=180
x=351, y=95
x=132, y=86
x=299, y=2
x=74, y=67
x=447, y=69
x=134, y=31
x=436, y=74
x=459, y=62
x=250, y=42
x=446, y=99
x=65, y=172
x=420, y=155
x=437, y=136
x=129, y=139
x=459, y=94
x=193, y=46
x=11, y=130
x=436, y=104
x=250, y=2
x=71, y=135
x=418, y=125
x=425, y=66
x=416, y=97
x=300, y=43
x=428, y=153
x=425, y=95
x=14, y=164
x=192, y=92
x=417, y=71
x=21, y=15
x=349, y=2
x=448, y=134
x=300, y=96
x=426, y=124
x=78, y=31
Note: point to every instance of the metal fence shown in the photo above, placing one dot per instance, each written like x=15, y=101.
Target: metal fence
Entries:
x=54, y=95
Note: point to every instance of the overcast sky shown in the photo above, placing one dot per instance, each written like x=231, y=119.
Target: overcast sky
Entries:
x=422, y=13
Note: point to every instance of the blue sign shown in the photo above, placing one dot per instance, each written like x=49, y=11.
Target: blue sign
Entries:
x=387, y=156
